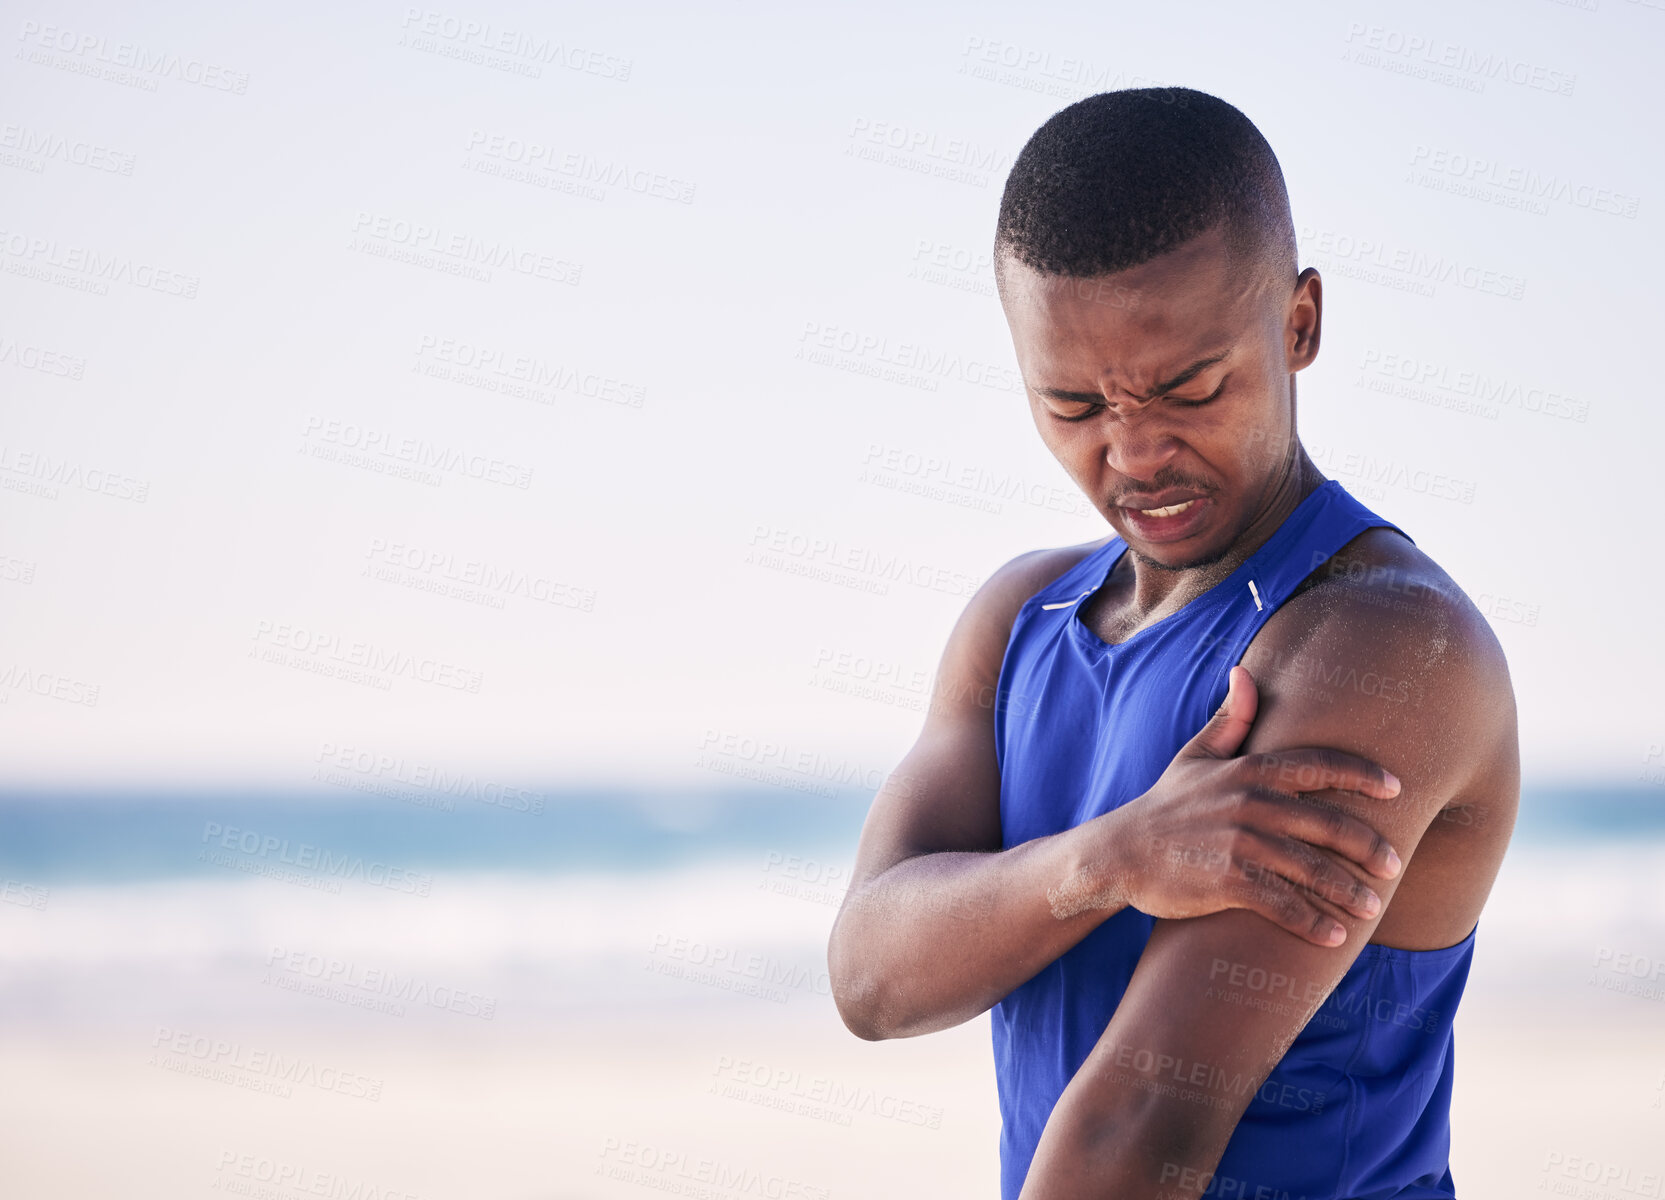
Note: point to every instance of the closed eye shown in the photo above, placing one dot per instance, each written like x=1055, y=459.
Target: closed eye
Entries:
x=1205, y=400
x=1093, y=409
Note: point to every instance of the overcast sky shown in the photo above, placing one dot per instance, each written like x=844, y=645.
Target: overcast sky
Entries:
x=586, y=398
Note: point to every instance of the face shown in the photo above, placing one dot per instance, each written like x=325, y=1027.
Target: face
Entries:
x=1166, y=390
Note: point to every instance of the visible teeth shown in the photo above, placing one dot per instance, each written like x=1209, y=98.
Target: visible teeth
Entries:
x=1171, y=510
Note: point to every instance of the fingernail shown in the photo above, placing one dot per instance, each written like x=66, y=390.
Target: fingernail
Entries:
x=1393, y=864
x=1372, y=902
x=1392, y=781
x=1336, y=936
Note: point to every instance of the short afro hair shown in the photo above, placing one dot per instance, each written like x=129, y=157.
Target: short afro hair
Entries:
x=1119, y=178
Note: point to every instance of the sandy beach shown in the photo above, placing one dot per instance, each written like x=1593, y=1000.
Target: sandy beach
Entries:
x=560, y=1037
x=719, y=1104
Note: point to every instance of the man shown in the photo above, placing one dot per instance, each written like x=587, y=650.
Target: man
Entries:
x=1216, y=852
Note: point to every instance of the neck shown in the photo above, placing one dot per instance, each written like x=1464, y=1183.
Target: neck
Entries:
x=1157, y=586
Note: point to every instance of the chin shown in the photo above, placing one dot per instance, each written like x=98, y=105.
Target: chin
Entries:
x=1174, y=558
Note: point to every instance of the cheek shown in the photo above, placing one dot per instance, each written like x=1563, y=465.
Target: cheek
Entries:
x=1058, y=436
x=1077, y=448
x=1257, y=437
x=1068, y=450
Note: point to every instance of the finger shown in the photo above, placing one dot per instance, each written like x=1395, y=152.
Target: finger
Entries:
x=1276, y=899
x=1319, y=768
x=1317, y=824
x=1230, y=723
x=1317, y=874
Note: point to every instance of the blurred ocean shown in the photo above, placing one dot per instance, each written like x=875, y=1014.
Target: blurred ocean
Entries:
x=65, y=837
x=535, y=907
x=79, y=837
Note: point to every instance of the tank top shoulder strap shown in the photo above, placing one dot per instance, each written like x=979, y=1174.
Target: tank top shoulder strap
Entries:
x=1325, y=521
x=1080, y=580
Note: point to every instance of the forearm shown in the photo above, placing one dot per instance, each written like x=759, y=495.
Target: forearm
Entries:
x=1150, y=1112
x=1138, y=1122
x=1126, y=1150
x=939, y=938
x=1128, y=1142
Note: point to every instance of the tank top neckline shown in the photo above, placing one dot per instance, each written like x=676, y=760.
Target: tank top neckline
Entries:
x=1222, y=591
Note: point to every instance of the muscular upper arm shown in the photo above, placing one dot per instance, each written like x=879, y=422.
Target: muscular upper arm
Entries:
x=1420, y=689
x=945, y=793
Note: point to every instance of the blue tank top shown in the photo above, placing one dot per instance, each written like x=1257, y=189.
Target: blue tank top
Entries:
x=1359, y=1105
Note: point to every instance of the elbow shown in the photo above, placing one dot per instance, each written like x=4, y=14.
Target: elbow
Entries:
x=858, y=1011
x=858, y=995
x=860, y=1022
x=857, y=1007
x=867, y=1010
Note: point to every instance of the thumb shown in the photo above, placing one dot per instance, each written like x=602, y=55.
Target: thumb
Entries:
x=1229, y=725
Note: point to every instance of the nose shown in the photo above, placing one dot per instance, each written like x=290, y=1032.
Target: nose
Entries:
x=1137, y=448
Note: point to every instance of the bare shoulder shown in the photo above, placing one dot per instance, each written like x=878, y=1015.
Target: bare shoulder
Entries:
x=977, y=646
x=1381, y=637
x=1016, y=580
x=1382, y=593
x=988, y=616
x=1382, y=655
x=945, y=793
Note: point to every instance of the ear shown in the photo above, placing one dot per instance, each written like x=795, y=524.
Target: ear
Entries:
x=1305, y=322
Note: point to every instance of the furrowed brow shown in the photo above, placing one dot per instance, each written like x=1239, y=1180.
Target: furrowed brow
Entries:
x=1161, y=389
x=1186, y=376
